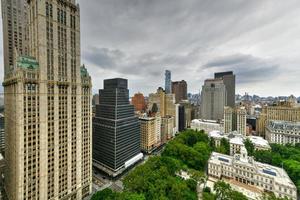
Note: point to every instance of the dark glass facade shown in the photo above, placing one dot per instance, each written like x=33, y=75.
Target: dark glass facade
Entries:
x=116, y=130
x=181, y=115
x=229, y=82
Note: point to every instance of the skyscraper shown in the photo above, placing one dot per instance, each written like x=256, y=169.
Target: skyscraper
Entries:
x=235, y=119
x=116, y=130
x=179, y=88
x=138, y=100
x=168, y=82
x=213, y=99
x=14, y=19
x=229, y=82
x=48, y=109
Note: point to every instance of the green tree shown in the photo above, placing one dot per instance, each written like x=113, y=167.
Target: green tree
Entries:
x=249, y=146
x=222, y=190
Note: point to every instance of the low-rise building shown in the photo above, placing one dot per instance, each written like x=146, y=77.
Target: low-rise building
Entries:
x=206, y=125
x=283, y=132
x=248, y=173
x=236, y=141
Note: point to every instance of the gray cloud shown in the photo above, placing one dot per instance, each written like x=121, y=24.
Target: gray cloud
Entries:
x=139, y=39
x=248, y=68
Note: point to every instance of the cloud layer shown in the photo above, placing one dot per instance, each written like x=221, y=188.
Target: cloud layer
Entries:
x=139, y=39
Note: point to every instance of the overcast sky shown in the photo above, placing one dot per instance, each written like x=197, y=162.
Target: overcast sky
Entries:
x=138, y=39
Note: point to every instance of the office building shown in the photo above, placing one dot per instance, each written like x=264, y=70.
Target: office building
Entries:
x=116, y=130
x=138, y=101
x=235, y=119
x=179, y=88
x=95, y=99
x=229, y=82
x=284, y=112
x=206, y=125
x=251, y=178
x=158, y=98
x=188, y=110
x=168, y=82
x=283, y=132
x=14, y=19
x=48, y=109
x=213, y=99
x=181, y=118
x=150, y=133
x=2, y=136
x=167, y=128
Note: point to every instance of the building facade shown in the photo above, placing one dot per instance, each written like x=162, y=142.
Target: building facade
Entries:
x=179, y=88
x=14, y=21
x=283, y=132
x=138, y=101
x=168, y=82
x=148, y=134
x=229, y=82
x=235, y=119
x=2, y=134
x=48, y=109
x=243, y=172
x=116, y=129
x=280, y=112
x=213, y=99
x=167, y=128
x=158, y=98
x=206, y=125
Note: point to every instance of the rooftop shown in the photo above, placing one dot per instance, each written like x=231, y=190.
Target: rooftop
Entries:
x=284, y=125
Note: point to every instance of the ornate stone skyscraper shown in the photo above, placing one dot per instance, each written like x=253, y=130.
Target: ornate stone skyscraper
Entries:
x=48, y=109
x=14, y=19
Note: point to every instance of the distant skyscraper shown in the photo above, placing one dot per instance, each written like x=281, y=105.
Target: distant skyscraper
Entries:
x=14, y=15
x=138, y=100
x=179, y=88
x=47, y=106
x=116, y=130
x=229, y=82
x=168, y=82
x=213, y=99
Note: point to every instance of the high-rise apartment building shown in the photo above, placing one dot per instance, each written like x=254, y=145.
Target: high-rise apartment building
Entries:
x=179, y=88
x=281, y=112
x=235, y=119
x=48, y=109
x=138, y=101
x=213, y=99
x=229, y=82
x=14, y=19
x=168, y=82
x=116, y=129
x=158, y=98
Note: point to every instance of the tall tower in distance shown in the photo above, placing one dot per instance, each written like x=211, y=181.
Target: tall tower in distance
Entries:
x=229, y=82
x=116, y=129
x=179, y=88
x=168, y=82
x=48, y=109
x=14, y=20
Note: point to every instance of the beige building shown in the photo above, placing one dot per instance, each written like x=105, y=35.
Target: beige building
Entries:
x=148, y=133
x=246, y=174
x=158, y=98
x=283, y=132
x=284, y=112
x=48, y=109
x=167, y=128
x=14, y=19
x=235, y=119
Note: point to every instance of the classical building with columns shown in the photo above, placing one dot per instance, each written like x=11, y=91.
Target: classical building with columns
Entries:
x=245, y=173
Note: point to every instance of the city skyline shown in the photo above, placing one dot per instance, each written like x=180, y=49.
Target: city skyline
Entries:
x=256, y=47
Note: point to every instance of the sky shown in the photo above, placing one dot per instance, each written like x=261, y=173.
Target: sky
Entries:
x=139, y=39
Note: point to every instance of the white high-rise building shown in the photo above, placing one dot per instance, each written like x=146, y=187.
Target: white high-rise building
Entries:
x=48, y=108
